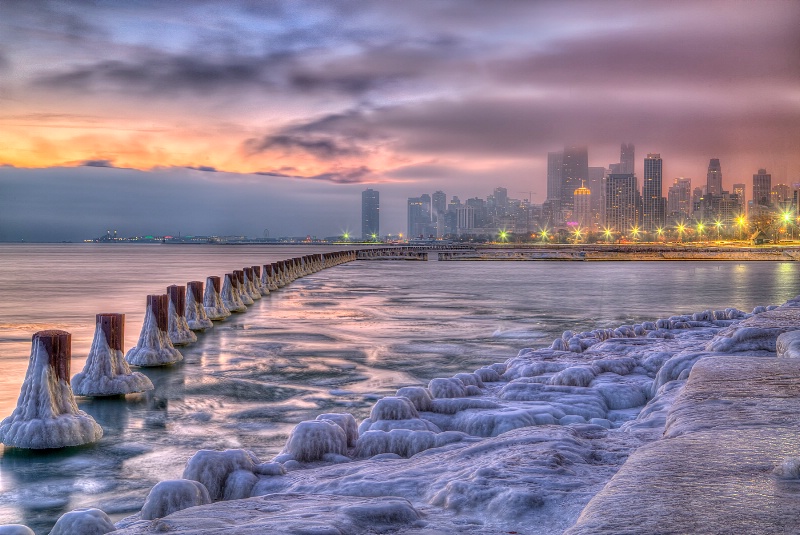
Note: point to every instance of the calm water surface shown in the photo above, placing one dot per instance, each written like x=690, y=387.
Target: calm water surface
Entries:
x=330, y=342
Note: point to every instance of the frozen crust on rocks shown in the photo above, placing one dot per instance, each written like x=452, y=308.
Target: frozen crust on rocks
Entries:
x=154, y=347
x=106, y=373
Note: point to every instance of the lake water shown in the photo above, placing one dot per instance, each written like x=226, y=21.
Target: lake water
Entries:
x=331, y=342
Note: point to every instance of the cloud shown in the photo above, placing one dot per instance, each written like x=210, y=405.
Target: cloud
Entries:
x=324, y=148
x=97, y=163
x=205, y=168
x=357, y=175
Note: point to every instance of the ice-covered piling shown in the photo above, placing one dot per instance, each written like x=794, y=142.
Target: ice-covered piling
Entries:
x=277, y=268
x=212, y=300
x=155, y=347
x=269, y=277
x=106, y=373
x=230, y=294
x=241, y=287
x=195, y=313
x=258, y=280
x=250, y=287
x=47, y=415
x=179, y=332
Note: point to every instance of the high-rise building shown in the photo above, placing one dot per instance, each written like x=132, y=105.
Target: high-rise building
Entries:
x=370, y=214
x=780, y=194
x=501, y=201
x=622, y=202
x=554, y=167
x=762, y=188
x=596, y=185
x=582, y=214
x=652, y=198
x=697, y=197
x=439, y=208
x=714, y=177
x=574, y=173
x=627, y=159
x=680, y=199
x=738, y=190
x=417, y=222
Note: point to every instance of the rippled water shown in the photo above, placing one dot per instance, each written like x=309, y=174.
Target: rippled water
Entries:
x=332, y=341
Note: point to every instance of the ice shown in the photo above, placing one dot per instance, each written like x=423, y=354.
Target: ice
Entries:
x=46, y=415
x=212, y=301
x=347, y=423
x=240, y=289
x=16, y=529
x=217, y=470
x=106, y=372
x=787, y=344
x=419, y=396
x=260, y=280
x=230, y=294
x=195, y=313
x=87, y=521
x=249, y=286
x=178, y=327
x=759, y=332
x=311, y=440
x=154, y=347
x=268, y=278
x=169, y=496
x=446, y=388
x=403, y=442
x=575, y=376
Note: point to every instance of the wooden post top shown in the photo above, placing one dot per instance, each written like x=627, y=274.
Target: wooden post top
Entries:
x=113, y=326
x=177, y=294
x=159, y=304
x=58, y=345
x=256, y=270
x=239, y=274
x=216, y=282
x=196, y=287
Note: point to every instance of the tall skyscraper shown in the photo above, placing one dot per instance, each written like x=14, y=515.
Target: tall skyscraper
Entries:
x=738, y=190
x=501, y=200
x=622, y=202
x=762, y=187
x=439, y=207
x=554, y=163
x=652, y=199
x=370, y=214
x=627, y=159
x=596, y=185
x=582, y=213
x=714, y=178
x=574, y=173
x=680, y=199
x=416, y=218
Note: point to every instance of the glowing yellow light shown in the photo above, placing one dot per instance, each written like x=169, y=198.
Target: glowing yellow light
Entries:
x=740, y=221
x=346, y=236
x=787, y=216
x=718, y=224
x=700, y=227
x=635, y=232
x=659, y=231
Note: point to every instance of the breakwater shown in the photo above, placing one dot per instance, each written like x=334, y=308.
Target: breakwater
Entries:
x=600, y=253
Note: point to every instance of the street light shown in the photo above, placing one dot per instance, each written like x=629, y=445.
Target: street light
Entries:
x=544, y=235
x=741, y=221
x=718, y=224
x=607, y=232
x=700, y=227
x=659, y=232
x=681, y=228
x=578, y=234
x=503, y=236
x=635, y=232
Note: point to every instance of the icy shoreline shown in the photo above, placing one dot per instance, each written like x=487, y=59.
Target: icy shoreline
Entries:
x=528, y=442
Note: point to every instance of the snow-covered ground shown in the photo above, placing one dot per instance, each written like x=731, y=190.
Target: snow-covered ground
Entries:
x=524, y=445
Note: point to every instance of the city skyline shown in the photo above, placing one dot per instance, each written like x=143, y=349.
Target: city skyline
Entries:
x=235, y=118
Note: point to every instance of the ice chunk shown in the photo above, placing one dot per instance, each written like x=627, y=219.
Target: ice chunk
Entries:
x=154, y=347
x=212, y=300
x=393, y=408
x=488, y=375
x=231, y=297
x=469, y=379
x=574, y=376
x=166, y=497
x=788, y=345
x=106, y=373
x=446, y=388
x=195, y=313
x=311, y=440
x=46, y=415
x=419, y=396
x=88, y=521
x=788, y=469
x=346, y=422
x=178, y=328
x=402, y=442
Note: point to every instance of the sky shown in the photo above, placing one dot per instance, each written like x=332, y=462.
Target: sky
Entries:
x=240, y=117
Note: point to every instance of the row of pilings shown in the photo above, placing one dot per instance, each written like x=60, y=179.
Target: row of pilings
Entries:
x=47, y=416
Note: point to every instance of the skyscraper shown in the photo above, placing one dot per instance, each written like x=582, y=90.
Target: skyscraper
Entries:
x=582, y=213
x=370, y=214
x=574, y=173
x=738, y=190
x=714, y=178
x=627, y=159
x=680, y=199
x=439, y=208
x=762, y=186
x=652, y=199
x=554, y=163
x=596, y=185
x=416, y=219
x=622, y=202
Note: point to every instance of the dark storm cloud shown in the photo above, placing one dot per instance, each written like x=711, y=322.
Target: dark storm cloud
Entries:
x=324, y=148
x=357, y=175
x=97, y=163
x=204, y=168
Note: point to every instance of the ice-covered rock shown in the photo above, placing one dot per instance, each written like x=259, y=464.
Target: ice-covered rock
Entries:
x=195, y=313
x=154, y=347
x=177, y=327
x=16, y=529
x=89, y=521
x=447, y=388
x=230, y=294
x=419, y=396
x=212, y=300
x=346, y=422
x=46, y=415
x=312, y=440
x=788, y=344
x=106, y=372
x=166, y=497
x=220, y=472
x=403, y=442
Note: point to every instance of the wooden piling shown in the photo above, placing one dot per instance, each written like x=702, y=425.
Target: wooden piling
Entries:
x=159, y=305
x=113, y=327
x=58, y=345
x=216, y=281
x=177, y=294
x=239, y=274
x=196, y=287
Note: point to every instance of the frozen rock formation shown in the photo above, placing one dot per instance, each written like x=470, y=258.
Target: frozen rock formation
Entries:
x=228, y=474
x=166, y=497
x=230, y=294
x=314, y=440
x=106, y=372
x=195, y=313
x=47, y=415
x=154, y=347
x=212, y=300
x=88, y=521
x=788, y=344
x=178, y=328
x=16, y=529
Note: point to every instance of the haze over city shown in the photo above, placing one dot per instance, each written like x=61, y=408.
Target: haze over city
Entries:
x=236, y=117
